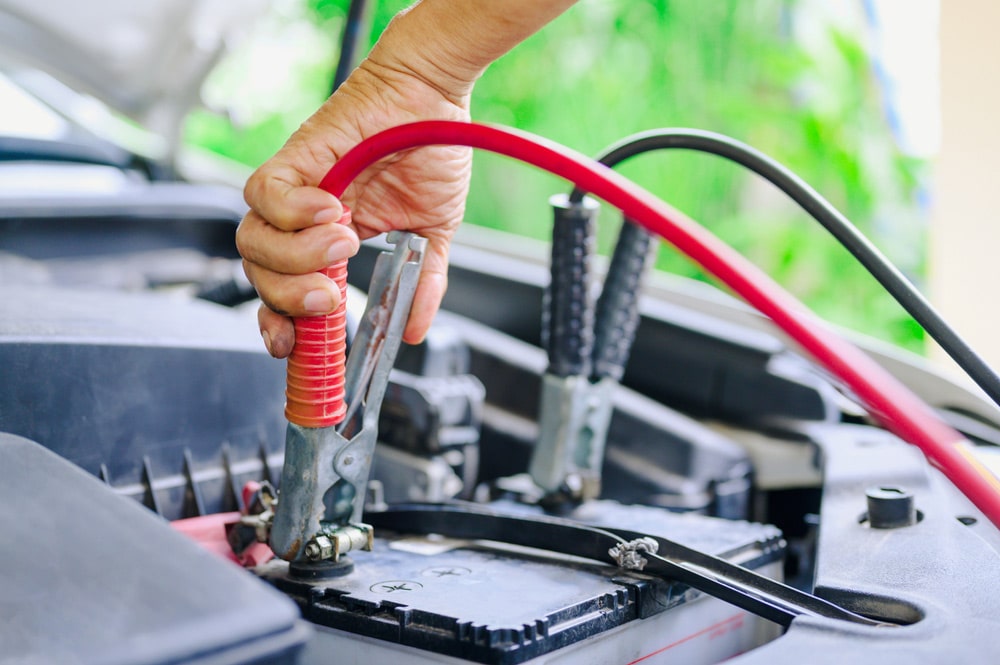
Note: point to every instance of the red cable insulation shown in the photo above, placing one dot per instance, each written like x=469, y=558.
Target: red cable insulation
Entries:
x=891, y=403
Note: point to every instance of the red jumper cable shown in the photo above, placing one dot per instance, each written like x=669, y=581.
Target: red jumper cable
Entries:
x=889, y=402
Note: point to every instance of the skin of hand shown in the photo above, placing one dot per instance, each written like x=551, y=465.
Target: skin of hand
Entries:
x=423, y=68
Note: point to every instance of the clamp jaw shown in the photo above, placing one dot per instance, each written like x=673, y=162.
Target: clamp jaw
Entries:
x=325, y=475
x=573, y=428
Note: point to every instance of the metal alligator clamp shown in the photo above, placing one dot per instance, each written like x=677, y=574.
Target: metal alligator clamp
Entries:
x=588, y=345
x=333, y=409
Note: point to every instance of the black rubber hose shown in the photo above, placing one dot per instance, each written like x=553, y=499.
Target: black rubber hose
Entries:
x=893, y=281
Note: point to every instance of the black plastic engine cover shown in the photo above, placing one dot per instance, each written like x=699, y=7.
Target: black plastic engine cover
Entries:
x=92, y=577
x=149, y=391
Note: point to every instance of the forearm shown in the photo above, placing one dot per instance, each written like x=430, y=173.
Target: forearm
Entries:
x=449, y=43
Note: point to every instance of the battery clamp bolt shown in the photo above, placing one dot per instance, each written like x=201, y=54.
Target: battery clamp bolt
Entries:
x=319, y=548
x=331, y=545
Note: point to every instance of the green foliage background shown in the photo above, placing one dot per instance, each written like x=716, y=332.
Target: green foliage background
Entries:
x=609, y=68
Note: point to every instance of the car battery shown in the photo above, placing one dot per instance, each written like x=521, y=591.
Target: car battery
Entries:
x=429, y=599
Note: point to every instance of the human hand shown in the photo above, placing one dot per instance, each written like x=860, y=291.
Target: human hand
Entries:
x=291, y=230
x=422, y=68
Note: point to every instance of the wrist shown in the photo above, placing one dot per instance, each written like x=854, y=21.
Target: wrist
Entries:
x=418, y=44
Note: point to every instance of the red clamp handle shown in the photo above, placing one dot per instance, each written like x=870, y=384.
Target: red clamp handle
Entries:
x=314, y=390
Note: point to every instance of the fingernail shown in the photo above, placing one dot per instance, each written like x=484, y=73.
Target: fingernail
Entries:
x=340, y=249
x=318, y=302
x=327, y=215
x=282, y=346
x=267, y=341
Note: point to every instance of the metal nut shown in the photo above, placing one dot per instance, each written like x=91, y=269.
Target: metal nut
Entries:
x=319, y=548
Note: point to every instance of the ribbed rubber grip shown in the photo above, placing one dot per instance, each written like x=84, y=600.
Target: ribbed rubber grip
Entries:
x=314, y=392
x=618, y=307
x=568, y=317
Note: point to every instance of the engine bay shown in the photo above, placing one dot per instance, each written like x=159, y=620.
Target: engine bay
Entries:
x=130, y=352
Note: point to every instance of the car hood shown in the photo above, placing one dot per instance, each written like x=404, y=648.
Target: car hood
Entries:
x=145, y=59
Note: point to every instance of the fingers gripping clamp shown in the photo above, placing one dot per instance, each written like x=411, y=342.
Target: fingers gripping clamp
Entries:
x=325, y=475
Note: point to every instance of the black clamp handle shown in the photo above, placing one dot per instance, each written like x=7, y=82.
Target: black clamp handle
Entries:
x=567, y=313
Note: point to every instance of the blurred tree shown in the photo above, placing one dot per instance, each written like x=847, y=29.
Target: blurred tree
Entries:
x=609, y=68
